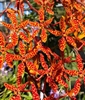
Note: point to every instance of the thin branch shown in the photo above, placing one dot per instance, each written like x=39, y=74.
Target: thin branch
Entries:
x=55, y=24
x=5, y=9
x=30, y=6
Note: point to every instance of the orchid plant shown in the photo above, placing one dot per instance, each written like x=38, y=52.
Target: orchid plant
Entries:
x=26, y=45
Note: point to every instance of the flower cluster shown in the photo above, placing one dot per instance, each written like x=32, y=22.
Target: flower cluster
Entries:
x=38, y=60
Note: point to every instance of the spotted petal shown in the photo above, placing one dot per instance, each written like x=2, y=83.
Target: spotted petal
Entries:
x=31, y=67
x=18, y=97
x=9, y=26
x=1, y=61
x=9, y=59
x=76, y=89
x=62, y=24
x=23, y=24
x=34, y=92
x=43, y=35
x=10, y=87
x=47, y=22
x=60, y=81
x=14, y=41
x=52, y=84
x=12, y=16
x=55, y=32
x=43, y=62
x=22, y=48
x=20, y=72
x=62, y=44
x=41, y=14
x=24, y=37
x=31, y=54
x=2, y=39
x=71, y=41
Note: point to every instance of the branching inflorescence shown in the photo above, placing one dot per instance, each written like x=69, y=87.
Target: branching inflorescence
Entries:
x=38, y=60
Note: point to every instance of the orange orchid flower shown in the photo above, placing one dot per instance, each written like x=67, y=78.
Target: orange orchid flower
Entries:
x=16, y=89
x=64, y=34
x=14, y=26
x=41, y=25
x=4, y=48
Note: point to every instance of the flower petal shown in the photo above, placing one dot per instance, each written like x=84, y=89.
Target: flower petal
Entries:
x=1, y=61
x=43, y=35
x=62, y=44
x=41, y=14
